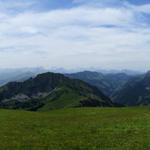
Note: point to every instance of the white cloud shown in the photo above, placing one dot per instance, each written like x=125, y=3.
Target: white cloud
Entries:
x=142, y=8
x=77, y=37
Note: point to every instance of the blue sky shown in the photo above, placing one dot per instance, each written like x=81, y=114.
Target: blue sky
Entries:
x=106, y=34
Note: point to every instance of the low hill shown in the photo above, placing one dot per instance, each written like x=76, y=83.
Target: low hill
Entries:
x=76, y=129
x=135, y=92
x=107, y=83
x=51, y=91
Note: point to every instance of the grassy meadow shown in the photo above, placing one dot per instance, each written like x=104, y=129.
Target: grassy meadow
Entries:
x=76, y=129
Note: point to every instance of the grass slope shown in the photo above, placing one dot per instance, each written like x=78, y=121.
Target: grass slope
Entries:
x=76, y=129
x=66, y=97
x=61, y=98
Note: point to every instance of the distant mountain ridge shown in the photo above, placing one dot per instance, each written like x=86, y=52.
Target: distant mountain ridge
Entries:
x=51, y=91
x=93, y=69
x=107, y=83
x=20, y=74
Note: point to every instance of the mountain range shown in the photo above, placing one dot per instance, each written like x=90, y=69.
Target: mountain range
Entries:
x=35, y=90
x=49, y=91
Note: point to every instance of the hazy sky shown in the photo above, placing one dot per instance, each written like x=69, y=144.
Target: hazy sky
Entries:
x=109, y=34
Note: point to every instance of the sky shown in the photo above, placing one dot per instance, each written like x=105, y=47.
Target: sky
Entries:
x=106, y=34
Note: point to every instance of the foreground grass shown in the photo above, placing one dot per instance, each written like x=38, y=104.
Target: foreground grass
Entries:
x=76, y=129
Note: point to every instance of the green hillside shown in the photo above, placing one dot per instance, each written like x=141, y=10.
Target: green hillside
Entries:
x=136, y=92
x=51, y=91
x=107, y=83
x=76, y=129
